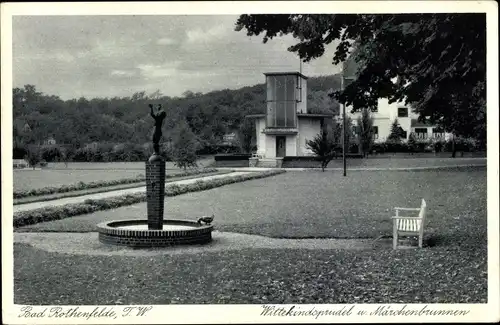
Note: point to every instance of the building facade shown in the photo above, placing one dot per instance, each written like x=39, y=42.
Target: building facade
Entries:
x=287, y=124
x=384, y=117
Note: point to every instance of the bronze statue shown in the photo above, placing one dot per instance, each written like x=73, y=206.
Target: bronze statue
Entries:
x=159, y=116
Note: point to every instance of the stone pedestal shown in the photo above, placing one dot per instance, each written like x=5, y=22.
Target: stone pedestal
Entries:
x=252, y=162
x=155, y=191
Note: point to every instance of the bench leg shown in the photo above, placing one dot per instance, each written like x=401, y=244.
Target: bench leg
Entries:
x=420, y=240
x=394, y=237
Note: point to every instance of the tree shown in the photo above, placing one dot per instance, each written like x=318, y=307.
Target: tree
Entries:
x=396, y=132
x=320, y=102
x=365, y=128
x=412, y=143
x=34, y=156
x=67, y=154
x=323, y=147
x=184, y=148
x=246, y=133
x=434, y=62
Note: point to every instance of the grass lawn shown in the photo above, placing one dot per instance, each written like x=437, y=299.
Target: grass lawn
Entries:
x=203, y=161
x=316, y=204
x=448, y=275
x=36, y=179
x=404, y=162
x=295, y=205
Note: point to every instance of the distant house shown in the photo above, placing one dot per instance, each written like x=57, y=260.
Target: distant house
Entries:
x=228, y=139
x=92, y=145
x=19, y=163
x=49, y=141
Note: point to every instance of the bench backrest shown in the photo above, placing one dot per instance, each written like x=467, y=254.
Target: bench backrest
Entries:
x=423, y=210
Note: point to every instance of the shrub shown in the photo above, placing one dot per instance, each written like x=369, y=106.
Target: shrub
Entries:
x=395, y=146
x=378, y=148
x=185, y=146
x=365, y=128
x=438, y=146
x=353, y=148
x=34, y=156
x=323, y=147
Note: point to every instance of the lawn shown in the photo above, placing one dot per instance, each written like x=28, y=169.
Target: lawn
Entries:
x=448, y=275
x=405, y=162
x=316, y=204
x=452, y=268
x=36, y=179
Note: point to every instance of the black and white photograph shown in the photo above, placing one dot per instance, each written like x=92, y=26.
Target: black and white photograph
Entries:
x=253, y=163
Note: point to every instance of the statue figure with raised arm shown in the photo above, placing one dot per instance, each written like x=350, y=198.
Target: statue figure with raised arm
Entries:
x=159, y=115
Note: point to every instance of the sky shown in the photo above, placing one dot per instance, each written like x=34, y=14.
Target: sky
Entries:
x=107, y=56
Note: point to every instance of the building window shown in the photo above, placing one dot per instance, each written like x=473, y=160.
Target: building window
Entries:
x=404, y=134
x=281, y=101
x=299, y=89
x=402, y=112
x=437, y=133
x=375, y=132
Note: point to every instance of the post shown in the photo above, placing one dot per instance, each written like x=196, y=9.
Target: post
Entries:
x=343, y=122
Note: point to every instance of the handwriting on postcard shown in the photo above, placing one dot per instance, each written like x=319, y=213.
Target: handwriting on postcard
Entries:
x=110, y=312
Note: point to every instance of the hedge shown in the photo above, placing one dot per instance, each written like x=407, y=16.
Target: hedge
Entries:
x=240, y=156
x=83, y=186
x=23, y=218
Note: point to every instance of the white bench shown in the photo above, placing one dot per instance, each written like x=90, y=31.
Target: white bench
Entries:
x=409, y=226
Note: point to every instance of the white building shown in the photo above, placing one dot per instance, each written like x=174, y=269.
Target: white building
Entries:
x=287, y=124
x=385, y=115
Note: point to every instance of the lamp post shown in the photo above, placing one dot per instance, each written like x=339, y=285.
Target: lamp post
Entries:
x=343, y=122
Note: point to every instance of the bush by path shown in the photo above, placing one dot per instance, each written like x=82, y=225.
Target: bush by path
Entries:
x=23, y=218
x=82, y=185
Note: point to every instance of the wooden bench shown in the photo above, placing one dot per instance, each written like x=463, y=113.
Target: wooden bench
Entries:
x=409, y=226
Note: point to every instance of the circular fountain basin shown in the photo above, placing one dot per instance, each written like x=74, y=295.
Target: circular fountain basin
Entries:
x=135, y=233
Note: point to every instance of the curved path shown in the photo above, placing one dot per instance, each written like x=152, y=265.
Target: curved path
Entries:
x=88, y=244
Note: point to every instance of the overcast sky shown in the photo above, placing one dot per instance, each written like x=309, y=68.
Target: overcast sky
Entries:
x=106, y=56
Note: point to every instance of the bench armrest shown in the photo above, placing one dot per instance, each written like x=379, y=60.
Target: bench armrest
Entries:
x=407, y=209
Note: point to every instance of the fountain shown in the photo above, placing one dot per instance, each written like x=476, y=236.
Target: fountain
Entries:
x=155, y=231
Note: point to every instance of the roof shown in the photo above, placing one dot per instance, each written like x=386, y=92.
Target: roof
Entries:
x=285, y=73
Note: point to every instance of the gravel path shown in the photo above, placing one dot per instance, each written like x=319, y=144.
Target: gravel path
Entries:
x=88, y=244
x=102, y=195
